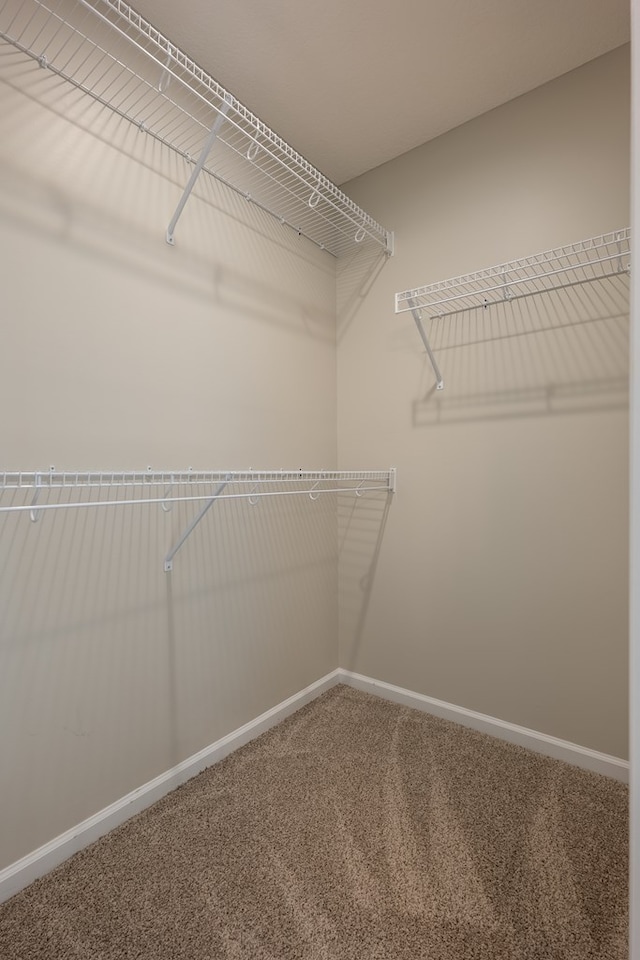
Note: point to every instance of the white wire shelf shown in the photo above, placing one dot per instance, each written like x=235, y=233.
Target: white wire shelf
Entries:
x=34, y=492
x=143, y=485
x=107, y=50
x=598, y=258
x=584, y=262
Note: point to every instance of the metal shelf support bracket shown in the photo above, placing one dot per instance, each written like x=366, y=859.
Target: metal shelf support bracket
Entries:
x=417, y=316
x=168, y=560
x=390, y=243
x=195, y=173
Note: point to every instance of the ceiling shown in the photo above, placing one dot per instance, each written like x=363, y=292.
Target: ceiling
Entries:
x=351, y=84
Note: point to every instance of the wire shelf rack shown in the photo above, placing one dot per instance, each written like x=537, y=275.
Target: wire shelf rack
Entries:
x=36, y=491
x=173, y=486
x=107, y=50
x=584, y=262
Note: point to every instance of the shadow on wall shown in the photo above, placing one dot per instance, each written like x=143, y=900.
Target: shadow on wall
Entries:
x=560, y=352
x=355, y=275
x=361, y=527
x=108, y=191
x=112, y=671
x=91, y=231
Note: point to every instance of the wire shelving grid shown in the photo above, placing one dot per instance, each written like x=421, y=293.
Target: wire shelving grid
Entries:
x=68, y=490
x=107, y=50
x=598, y=258
x=584, y=262
x=134, y=488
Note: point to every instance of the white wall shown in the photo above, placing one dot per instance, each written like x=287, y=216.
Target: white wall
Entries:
x=634, y=659
x=497, y=578
x=119, y=352
x=501, y=582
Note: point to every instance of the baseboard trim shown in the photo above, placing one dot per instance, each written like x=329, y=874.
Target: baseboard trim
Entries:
x=20, y=874
x=532, y=739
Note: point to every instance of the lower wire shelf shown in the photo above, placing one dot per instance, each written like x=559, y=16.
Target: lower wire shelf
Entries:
x=36, y=491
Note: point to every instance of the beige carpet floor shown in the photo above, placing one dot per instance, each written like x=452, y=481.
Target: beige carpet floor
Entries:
x=355, y=829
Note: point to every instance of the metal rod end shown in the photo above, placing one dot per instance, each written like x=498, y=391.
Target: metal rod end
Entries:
x=170, y=239
x=168, y=566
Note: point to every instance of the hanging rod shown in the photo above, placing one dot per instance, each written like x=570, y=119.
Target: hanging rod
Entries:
x=108, y=51
x=595, y=259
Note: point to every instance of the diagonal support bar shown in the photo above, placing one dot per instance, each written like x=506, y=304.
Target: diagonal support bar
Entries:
x=195, y=173
x=168, y=560
x=417, y=316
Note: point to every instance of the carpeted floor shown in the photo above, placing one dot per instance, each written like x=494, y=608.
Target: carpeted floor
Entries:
x=355, y=830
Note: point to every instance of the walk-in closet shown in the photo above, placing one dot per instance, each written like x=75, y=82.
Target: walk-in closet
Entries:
x=317, y=614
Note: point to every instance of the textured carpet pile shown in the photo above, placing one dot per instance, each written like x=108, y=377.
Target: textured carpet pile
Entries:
x=355, y=830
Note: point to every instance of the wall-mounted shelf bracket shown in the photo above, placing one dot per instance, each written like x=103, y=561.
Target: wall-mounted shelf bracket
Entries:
x=390, y=242
x=168, y=560
x=417, y=316
x=195, y=173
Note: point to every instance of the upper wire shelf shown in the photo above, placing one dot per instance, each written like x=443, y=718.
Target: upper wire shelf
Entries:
x=110, y=52
x=593, y=259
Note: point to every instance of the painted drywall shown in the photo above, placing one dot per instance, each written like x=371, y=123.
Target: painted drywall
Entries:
x=120, y=352
x=634, y=619
x=498, y=579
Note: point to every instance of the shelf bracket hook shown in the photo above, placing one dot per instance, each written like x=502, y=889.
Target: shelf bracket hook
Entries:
x=34, y=515
x=621, y=266
x=167, y=505
x=505, y=286
x=195, y=173
x=165, y=76
x=417, y=316
x=168, y=560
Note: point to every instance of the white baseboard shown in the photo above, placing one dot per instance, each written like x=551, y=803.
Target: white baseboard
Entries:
x=532, y=739
x=41, y=861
